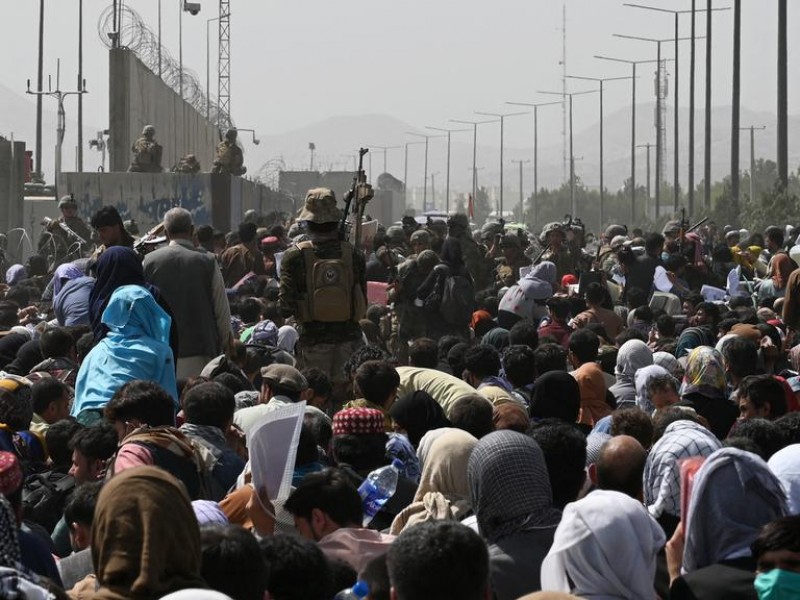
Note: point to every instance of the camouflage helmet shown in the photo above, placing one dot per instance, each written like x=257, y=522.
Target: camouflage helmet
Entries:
x=671, y=227
x=613, y=231
x=68, y=200
x=421, y=236
x=554, y=227
x=148, y=130
x=489, y=230
x=395, y=235
x=458, y=220
x=427, y=259
x=231, y=133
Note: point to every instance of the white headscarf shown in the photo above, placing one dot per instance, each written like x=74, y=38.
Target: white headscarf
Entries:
x=287, y=338
x=669, y=362
x=632, y=356
x=785, y=465
x=642, y=379
x=606, y=544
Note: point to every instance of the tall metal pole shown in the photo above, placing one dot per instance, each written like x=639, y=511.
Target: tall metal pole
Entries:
x=39, y=75
x=690, y=182
x=676, y=135
x=633, y=145
x=737, y=35
x=180, y=49
x=425, y=184
x=647, y=186
x=502, y=122
x=447, y=184
x=208, y=68
x=80, y=85
x=405, y=178
x=783, y=115
x=752, y=164
x=658, y=131
x=535, y=162
x=571, y=163
x=707, y=165
x=475, y=164
x=602, y=188
x=159, y=38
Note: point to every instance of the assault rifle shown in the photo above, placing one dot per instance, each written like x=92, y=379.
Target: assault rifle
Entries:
x=360, y=192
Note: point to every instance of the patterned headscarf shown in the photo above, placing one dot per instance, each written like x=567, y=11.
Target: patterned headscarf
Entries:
x=662, y=471
x=734, y=495
x=10, y=555
x=509, y=486
x=358, y=421
x=643, y=378
x=705, y=373
x=669, y=362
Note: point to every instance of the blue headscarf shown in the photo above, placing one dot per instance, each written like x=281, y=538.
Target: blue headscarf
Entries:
x=117, y=266
x=65, y=273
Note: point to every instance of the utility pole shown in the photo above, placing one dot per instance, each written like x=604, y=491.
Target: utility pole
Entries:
x=384, y=150
x=474, y=150
x=707, y=157
x=535, y=107
x=405, y=172
x=61, y=127
x=752, y=130
x=447, y=190
x=693, y=38
x=425, y=188
x=572, y=204
x=735, y=95
x=521, y=190
x=39, y=75
x=783, y=97
x=601, y=81
x=80, y=80
x=648, y=176
x=502, y=117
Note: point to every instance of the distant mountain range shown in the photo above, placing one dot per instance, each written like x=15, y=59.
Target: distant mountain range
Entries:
x=338, y=138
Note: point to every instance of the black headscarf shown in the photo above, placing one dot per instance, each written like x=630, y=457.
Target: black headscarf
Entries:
x=418, y=413
x=28, y=356
x=556, y=394
x=451, y=254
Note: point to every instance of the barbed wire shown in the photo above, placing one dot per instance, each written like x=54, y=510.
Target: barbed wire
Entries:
x=136, y=36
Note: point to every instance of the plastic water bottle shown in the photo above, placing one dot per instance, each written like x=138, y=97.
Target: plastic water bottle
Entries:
x=358, y=591
x=377, y=488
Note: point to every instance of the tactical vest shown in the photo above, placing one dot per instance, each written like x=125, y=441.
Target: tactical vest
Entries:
x=332, y=293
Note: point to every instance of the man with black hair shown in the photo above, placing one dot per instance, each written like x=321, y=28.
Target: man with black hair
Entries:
x=327, y=509
x=482, y=371
x=777, y=547
x=423, y=352
x=143, y=414
x=564, y=448
x=51, y=399
x=634, y=422
x=556, y=325
x=439, y=559
x=323, y=285
x=641, y=270
x=191, y=282
x=59, y=354
x=664, y=333
x=523, y=333
x=91, y=447
x=620, y=466
x=79, y=517
x=375, y=386
x=765, y=434
x=110, y=230
x=232, y=562
x=319, y=388
x=519, y=366
x=550, y=357
x=58, y=438
x=596, y=313
x=243, y=258
x=472, y=413
x=208, y=411
x=761, y=397
x=298, y=569
x=789, y=425
x=740, y=357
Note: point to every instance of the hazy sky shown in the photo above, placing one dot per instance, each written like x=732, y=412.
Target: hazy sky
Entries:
x=295, y=62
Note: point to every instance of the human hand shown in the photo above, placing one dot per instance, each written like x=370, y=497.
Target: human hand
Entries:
x=674, y=552
x=261, y=512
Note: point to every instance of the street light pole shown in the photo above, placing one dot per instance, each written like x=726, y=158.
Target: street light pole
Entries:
x=448, y=132
x=425, y=188
x=633, y=64
x=521, y=192
x=648, y=174
x=752, y=130
x=571, y=148
x=474, y=150
x=502, y=117
x=601, y=81
x=535, y=107
x=405, y=171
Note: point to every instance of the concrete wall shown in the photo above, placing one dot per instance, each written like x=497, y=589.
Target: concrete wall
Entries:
x=12, y=179
x=218, y=200
x=138, y=97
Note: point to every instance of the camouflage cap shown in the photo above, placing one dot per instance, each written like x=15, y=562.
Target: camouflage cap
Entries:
x=491, y=229
x=320, y=207
x=671, y=227
x=554, y=227
x=395, y=234
x=421, y=236
x=613, y=231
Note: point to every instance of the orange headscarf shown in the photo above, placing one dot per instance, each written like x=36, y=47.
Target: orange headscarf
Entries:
x=781, y=267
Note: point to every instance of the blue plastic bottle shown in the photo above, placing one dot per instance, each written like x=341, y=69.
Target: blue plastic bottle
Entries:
x=377, y=488
x=357, y=592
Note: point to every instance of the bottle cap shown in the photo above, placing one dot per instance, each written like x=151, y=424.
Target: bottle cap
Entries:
x=361, y=589
x=397, y=464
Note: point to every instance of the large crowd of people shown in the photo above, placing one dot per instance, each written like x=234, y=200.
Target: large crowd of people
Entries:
x=565, y=417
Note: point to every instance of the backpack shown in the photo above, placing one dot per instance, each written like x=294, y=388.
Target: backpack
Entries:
x=332, y=294
x=44, y=497
x=458, y=300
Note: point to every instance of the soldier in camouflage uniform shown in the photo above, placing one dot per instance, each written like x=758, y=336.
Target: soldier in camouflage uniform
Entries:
x=57, y=244
x=512, y=261
x=229, y=156
x=558, y=253
x=146, y=153
x=479, y=266
x=329, y=334
x=412, y=320
x=188, y=164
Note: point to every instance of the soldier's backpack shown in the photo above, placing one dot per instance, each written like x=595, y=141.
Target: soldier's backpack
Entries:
x=458, y=300
x=332, y=294
x=44, y=496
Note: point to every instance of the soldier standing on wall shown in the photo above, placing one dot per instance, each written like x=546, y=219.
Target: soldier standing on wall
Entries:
x=230, y=158
x=146, y=153
x=323, y=285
